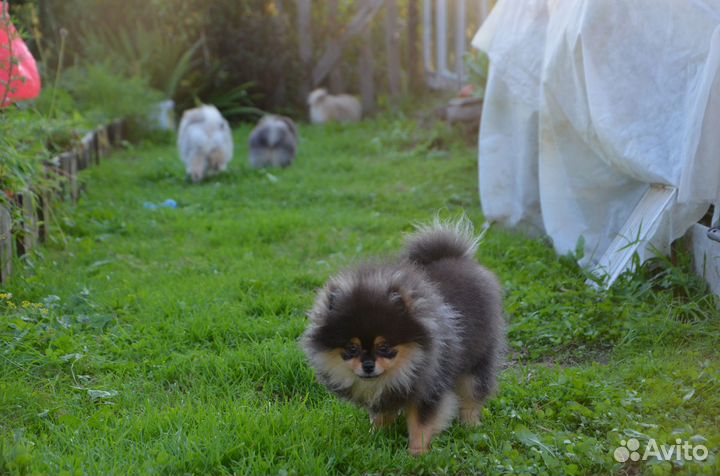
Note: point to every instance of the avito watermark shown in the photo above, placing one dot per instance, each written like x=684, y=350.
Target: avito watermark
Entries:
x=680, y=451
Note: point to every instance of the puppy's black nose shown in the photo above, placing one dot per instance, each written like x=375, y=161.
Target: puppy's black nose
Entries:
x=368, y=366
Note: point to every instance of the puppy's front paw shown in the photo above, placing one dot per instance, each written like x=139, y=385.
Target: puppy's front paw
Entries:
x=382, y=420
x=470, y=416
x=418, y=450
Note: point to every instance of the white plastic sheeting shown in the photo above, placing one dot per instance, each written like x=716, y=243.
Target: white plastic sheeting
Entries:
x=591, y=102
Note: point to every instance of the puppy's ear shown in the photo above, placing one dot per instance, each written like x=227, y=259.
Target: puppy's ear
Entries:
x=332, y=292
x=400, y=298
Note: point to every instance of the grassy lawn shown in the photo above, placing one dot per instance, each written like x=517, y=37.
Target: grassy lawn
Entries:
x=164, y=341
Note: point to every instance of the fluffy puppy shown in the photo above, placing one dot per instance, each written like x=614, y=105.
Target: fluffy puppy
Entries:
x=273, y=142
x=325, y=107
x=205, y=142
x=423, y=335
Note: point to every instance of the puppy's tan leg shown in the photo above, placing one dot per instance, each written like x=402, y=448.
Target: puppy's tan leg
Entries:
x=383, y=419
x=428, y=422
x=470, y=404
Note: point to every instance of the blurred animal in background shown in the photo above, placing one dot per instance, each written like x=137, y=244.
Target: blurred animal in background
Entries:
x=205, y=142
x=273, y=142
x=326, y=107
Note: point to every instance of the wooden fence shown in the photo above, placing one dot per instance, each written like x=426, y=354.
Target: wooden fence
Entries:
x=400, y=23
x=24, y=221
x=448, y=28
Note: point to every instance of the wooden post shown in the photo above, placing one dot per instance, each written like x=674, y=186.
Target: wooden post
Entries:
x=281, y=27
x=28, y=235
x=102, y=143
x=367, y=74
x=85, y=152
x=68, y=166
x=337, y=83
x=484, y=9
x=413, y=67
x=391, y=46
x=304, y=16
x=6, y=245
x=460, y=21
x=441, y=36
x=115, y=133
x=43, y=212
x=427, y=36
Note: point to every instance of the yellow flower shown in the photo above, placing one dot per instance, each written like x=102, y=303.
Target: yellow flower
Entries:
x=26, y=304
x=11, y=305
x=5, y=295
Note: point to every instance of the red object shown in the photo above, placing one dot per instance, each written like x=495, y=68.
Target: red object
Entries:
x=467, y=91
x=22, y=74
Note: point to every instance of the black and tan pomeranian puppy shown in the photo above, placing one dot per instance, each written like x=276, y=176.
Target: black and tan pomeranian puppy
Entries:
x=423, y=335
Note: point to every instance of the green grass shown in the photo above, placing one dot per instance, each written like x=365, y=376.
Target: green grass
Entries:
x=188, y=318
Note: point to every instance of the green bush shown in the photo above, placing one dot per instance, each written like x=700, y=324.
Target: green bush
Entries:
x=104, y=96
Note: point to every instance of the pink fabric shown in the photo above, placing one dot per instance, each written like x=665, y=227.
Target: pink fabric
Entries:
x=23, y=74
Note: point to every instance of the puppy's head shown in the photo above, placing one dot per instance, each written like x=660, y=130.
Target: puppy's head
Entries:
x=363, y=329
x=316, y=96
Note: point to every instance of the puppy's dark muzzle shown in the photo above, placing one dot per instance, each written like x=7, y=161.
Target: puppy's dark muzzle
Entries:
x=368, y=367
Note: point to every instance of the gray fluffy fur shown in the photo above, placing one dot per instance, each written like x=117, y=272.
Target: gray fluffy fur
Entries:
x=273, y=142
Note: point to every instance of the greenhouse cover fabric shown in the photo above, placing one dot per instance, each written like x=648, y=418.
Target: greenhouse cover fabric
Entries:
x=589, y=103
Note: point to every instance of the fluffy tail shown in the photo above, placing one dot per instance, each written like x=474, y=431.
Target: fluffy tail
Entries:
x=440, y=240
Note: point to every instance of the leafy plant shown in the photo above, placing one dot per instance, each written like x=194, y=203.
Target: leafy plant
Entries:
x=146, y=51
x=105, y=96
x=477, y=65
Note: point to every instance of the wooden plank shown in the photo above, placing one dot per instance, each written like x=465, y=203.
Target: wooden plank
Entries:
x=102, y=143
x=484, y=6
x=367, y=74
x=460, y=24
x=441, y=36
x=305, y=44
x=706, y=256
x=334, y=49
x=85, y=152
x=6, y=245
x=392, y=46
x=68, y=168
x=28, y=227
x=438, y=80
x=413, y=66
x=337, y=81
x=43, y=212
x=115, y=133
x=427, y=36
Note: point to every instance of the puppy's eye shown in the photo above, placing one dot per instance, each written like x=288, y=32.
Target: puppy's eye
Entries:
x=351, y=350
x=386, y=351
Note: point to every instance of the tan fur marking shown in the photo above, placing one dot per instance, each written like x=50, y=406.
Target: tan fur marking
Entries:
x=469, y=405
x=420, y=434
x=383, y=419
x=401, y=360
